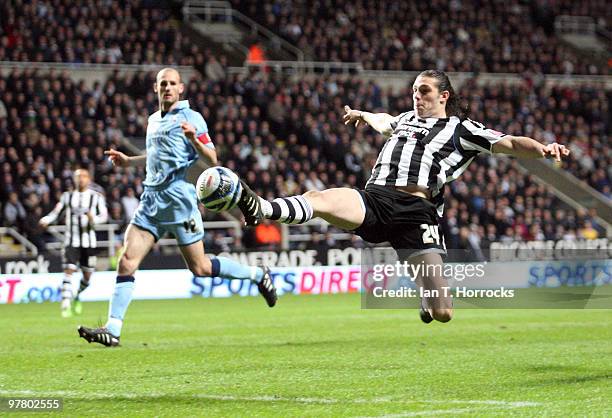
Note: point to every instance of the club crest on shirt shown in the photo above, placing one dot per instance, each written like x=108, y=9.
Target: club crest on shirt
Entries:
x=412, y=132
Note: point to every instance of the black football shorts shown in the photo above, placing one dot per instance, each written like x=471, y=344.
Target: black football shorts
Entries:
x=409, y=223
x=75, y=257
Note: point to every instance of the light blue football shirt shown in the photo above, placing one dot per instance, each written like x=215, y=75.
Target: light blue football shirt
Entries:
x=169, y=152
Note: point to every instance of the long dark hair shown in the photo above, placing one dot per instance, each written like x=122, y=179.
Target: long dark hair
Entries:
x=453, y=104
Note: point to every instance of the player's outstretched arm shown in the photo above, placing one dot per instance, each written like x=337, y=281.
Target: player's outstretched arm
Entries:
x=52, y=216
x=525, y=147
x=121, y=160
x=208, y=154
x=380, y=122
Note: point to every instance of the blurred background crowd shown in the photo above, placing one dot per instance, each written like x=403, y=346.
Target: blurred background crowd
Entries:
x=456, y=35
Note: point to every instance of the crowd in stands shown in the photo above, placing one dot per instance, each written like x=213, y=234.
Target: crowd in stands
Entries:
x=578, y=117
x=93, y=31
x=50, y=125
x=452, y=35
x=285, y=137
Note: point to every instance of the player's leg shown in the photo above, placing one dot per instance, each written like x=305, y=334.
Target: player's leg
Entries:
x=341, y=207
x=201, y=264
x=189, y=235
x=84, y=284
x=88, y=265
x=69, y=264
x=439, y=305
x=77, y=305
x=66, y=292
x=137, y=244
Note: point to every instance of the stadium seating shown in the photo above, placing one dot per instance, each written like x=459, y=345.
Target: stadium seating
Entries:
x=483, y=36
x=96, y=31
x=409, y=36
x=575, y=116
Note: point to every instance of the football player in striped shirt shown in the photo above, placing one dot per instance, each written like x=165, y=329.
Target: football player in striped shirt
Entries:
x=425, y=149
x=83, y=208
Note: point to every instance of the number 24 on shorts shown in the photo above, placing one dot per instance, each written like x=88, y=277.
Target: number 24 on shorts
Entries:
x=431, y=234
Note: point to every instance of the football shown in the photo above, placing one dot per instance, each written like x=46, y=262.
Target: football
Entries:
x=218, y=188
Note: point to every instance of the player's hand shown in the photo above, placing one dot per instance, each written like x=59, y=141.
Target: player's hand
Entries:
x=90, y=217
x=118, y=158
x=353, y=116
x=189, y=131
x=556, y=151
x=43, y=224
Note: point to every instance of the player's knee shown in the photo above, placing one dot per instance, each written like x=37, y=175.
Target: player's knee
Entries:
x=316, y=199
x=442, y=315
x=127, y=264
x=313, y=195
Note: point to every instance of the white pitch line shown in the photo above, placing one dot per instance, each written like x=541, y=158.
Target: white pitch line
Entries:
x=268, y=398
x=517, y=404
x=438, y=412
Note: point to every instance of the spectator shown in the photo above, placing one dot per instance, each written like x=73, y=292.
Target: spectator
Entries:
x=213, y=69
x=32, y=229
x=256, y=54
x=588, y=232
x=130, y=203
x=14, y=212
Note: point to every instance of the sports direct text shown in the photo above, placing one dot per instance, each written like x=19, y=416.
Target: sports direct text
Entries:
x=456, y=271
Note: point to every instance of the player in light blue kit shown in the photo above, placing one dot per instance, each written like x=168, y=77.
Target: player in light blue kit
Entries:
x=176, y=136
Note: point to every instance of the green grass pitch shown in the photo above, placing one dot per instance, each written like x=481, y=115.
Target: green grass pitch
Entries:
x=310, y=356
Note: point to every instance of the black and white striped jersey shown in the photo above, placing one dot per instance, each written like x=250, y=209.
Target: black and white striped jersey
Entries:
x=430, y=152
x=76, y=205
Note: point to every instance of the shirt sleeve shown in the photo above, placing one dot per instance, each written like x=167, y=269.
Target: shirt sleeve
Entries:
x=101, y=215
x=59, y=207
x=474, y=136
x=201, y=127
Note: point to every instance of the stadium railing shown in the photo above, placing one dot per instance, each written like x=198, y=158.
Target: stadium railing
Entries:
x=112, y=239
x=100, y=72
x=583, y=25
x=27, y=248
x=222, y=12
x=575, y=24
x=570, y=189
x=91, y=73
x=58, y=232
x=398, y=79
x=112, y=231
x=301, y=67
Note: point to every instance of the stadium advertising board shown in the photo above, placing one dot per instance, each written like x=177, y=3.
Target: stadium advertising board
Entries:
x=180, y=283
x=176, y=284
x=24, y=265
x=498, y=252
x=293, y=258
x=600, y=248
